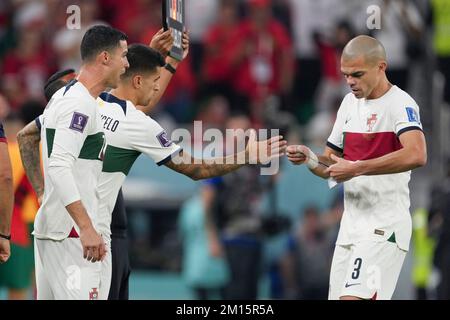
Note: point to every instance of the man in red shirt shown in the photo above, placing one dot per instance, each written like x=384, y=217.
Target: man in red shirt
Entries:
x=262, y=58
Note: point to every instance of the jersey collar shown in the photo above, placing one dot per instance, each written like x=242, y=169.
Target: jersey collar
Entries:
x=108, y=97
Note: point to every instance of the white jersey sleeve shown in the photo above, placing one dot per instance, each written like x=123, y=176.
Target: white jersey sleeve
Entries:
x=406, y=116
x=38, y=122
x=72, y=128
x=336, y=138
x=153, y=141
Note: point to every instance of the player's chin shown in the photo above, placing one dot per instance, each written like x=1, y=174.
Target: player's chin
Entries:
x=358, y=94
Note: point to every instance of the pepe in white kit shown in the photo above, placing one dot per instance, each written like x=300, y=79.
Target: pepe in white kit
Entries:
x=376, y=141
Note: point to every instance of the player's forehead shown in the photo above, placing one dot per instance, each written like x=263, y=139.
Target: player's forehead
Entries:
x=352, y=65
x=152, y=75
x=122, y=48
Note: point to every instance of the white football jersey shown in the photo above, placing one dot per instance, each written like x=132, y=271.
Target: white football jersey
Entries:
x=376, y=207
x=72, y=141
x=129, y=133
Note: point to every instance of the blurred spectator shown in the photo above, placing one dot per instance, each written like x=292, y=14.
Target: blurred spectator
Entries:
x=205, y=269
x=401, y=35
x=198, y=26
x=17, y=275
x=135, y=16
x=215, y=112
x=308, y=22
x=66, y=42
x=217, y=75
x=5, y=24
x=332, y=86
x=440, y=18
x=26, y=67
x=439, y=217
x=306, y=265
x=262, y=56
x=234, y=201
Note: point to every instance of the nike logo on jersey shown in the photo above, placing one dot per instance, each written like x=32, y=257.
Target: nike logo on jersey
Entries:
x=347, y=285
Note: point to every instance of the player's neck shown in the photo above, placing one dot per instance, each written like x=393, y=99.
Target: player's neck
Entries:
x=380, y=90
x=92, y=80
x=122, y=93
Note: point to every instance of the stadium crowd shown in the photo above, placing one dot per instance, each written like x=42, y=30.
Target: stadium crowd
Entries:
x=252, y=63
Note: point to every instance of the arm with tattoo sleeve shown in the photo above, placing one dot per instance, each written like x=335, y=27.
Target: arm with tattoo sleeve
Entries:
x=28, y=139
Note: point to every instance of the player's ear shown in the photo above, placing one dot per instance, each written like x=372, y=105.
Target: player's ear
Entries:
x=104, y=57
x=382, y=66
x=137, y=81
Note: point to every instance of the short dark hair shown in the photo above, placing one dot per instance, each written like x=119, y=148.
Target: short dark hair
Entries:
x=30, y=110
x=100, y=38
x=55, y=82
x=142, y=59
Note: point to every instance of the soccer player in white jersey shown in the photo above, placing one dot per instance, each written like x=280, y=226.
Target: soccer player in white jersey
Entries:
x=71, y=257
x=129, y=133
x=376, y=141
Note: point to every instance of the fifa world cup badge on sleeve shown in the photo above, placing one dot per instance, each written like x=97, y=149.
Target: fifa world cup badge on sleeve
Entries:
x=163, y=140
x=79, y=122
x=412, y=115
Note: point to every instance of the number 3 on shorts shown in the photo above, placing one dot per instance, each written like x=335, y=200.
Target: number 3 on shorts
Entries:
x=357, y=264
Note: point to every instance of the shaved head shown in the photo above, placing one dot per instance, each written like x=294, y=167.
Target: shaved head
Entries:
x=368, y=48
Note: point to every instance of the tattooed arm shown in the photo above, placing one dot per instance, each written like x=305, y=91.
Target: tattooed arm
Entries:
x=197, y=169
x=256, y=152
x=28, y=139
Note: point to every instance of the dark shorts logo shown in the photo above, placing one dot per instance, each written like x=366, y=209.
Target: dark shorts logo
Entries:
x=348, y=285
x=163, y=140
x=79, y=122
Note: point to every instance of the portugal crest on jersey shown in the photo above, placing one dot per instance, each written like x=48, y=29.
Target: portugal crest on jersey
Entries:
x=93, y=295
x=371, y=122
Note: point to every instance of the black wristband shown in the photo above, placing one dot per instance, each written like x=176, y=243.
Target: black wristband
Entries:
x=170, y=68
x=5, y=237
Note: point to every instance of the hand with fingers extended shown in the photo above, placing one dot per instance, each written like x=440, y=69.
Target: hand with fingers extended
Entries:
x=162, y=42
x=94, y=248
x=262, y=152
x=343, y=170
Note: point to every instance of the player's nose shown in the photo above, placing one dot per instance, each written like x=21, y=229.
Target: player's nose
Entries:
x=350, y=81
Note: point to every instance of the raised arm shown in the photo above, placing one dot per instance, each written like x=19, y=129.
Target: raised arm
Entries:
x=163, y=42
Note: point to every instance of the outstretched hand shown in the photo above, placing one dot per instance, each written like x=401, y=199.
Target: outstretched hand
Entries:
x=262, y=152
